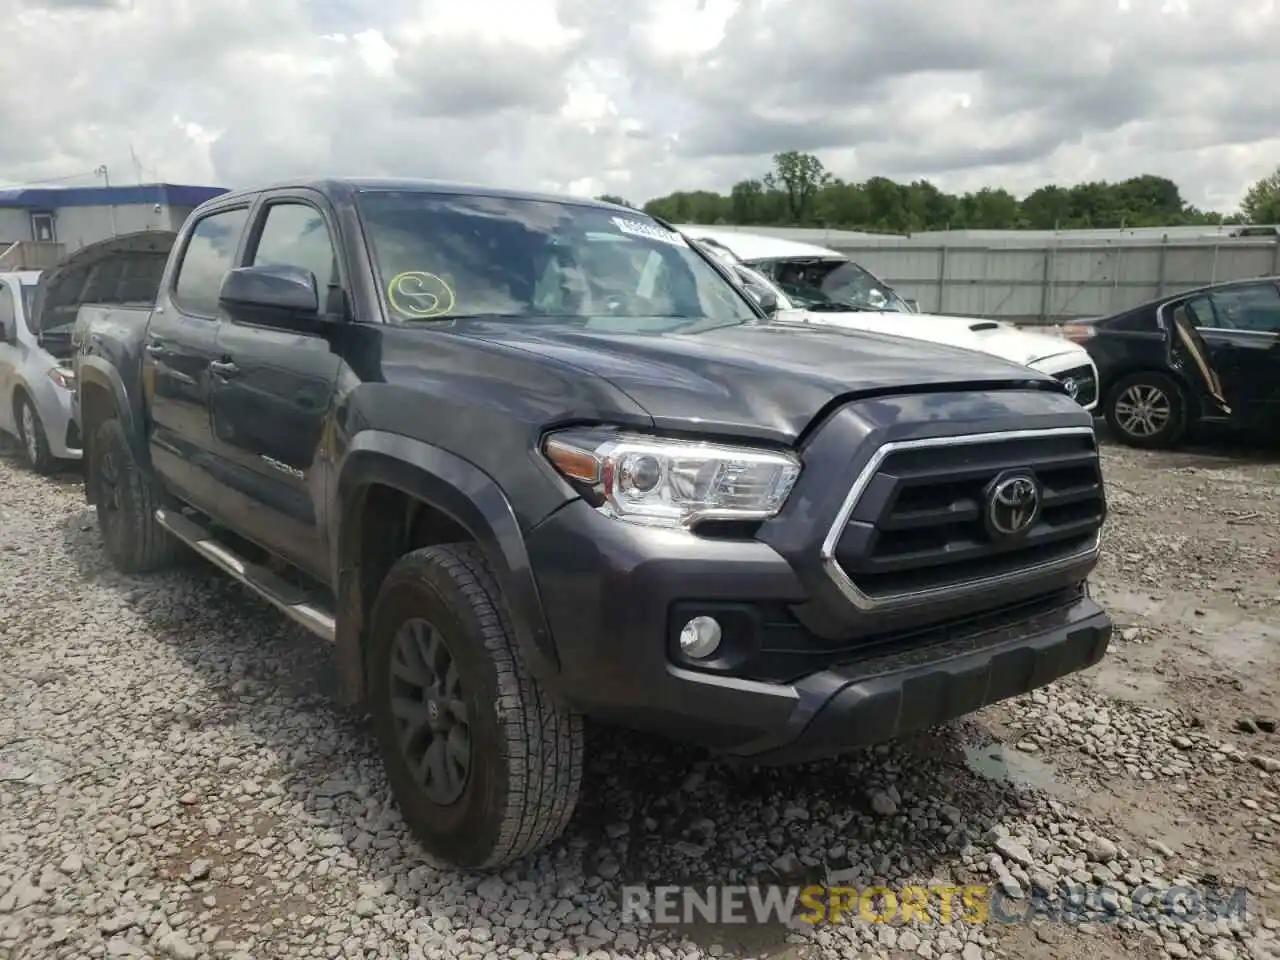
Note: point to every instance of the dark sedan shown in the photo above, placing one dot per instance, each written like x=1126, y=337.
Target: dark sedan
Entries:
x=1210, y=355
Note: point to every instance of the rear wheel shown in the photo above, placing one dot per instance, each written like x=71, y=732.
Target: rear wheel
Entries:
x=126, y=498
x=485, y=766
x=35, y=444
x=1147, y=410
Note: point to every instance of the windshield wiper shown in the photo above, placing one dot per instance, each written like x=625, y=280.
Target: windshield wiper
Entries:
x=841, y=308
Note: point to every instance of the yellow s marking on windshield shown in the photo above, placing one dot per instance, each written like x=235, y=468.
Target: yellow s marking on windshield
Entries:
x=420, y=295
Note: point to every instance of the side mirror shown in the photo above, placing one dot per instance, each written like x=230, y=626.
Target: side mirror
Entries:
x=767, y=299
x=276, y=289
x=912, y=305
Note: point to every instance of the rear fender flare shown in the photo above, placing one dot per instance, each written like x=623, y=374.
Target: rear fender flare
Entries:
x=464, y=493
x=94, y=370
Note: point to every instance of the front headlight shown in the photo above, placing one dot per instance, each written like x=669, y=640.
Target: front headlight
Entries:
x=672, y=483
x=63, y=377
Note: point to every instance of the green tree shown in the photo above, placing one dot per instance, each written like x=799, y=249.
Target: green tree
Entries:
x=1150, y=201
x=613, y=198
x=990, y=209
x=1261, y=202
x=1048, y=208
x=697, y=206
x=800, y=191
x=842, y=203
x=800, y=176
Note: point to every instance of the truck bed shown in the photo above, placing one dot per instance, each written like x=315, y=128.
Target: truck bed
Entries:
x=108, y=317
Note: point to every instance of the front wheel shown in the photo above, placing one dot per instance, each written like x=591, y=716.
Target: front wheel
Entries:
x=484, y=764
x=1147, y=410
x=35, y=443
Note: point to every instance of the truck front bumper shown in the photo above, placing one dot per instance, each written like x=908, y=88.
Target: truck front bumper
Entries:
x=616, y=596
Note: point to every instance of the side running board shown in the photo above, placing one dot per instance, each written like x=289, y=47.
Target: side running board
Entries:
x=296, y=603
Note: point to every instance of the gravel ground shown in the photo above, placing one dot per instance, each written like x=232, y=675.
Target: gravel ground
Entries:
x=175, y=780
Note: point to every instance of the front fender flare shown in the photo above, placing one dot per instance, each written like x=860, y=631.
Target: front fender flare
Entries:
x=469, y=497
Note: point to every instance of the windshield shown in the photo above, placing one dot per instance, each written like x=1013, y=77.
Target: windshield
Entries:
x=29, y=306
x=449, y=257
x=818, y=283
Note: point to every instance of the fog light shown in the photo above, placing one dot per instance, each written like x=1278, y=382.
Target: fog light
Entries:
x=700, y=638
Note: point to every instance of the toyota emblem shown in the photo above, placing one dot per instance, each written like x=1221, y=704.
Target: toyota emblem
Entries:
x=1013, y=504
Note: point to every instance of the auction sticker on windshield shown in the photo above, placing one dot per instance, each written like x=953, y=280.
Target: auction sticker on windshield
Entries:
x=420, y=295
x=650, y=231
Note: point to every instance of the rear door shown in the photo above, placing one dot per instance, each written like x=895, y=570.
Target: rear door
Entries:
x=273, y=385
x=179, y=346
x=1240, y=327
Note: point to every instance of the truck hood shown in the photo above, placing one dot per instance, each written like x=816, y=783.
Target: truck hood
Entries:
x=767, y=379
x=134, y=261
x=989, y=336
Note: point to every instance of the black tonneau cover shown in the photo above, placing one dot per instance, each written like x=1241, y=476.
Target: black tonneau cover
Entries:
x=122, y=270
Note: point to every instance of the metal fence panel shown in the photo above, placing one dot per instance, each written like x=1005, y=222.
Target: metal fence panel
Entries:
x=1042, y=282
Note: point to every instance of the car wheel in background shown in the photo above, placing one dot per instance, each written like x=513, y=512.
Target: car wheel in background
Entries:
x=1147, y=410
x=35, y=445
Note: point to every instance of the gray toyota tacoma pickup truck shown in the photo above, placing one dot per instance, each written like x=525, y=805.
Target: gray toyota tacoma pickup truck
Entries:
x=528, y=459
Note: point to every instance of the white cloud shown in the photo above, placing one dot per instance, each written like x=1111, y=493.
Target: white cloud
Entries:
x=642, y=97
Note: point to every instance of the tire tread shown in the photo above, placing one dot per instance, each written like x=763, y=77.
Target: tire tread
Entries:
x=150, y=547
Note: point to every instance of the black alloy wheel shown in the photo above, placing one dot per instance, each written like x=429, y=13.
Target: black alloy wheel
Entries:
x=430, y=712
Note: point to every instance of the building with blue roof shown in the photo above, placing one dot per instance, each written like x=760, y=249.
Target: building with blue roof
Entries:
x=74, y=217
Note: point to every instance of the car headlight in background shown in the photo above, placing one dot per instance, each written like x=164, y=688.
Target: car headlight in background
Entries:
x=63, y=377
x=672, y=483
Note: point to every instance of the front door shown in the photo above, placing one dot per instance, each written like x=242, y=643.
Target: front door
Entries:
x=178, y=348
x=272, y=390
x=1240, y=326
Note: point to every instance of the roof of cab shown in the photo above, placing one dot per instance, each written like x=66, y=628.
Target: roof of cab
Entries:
x=340, y=186
x=756, y=246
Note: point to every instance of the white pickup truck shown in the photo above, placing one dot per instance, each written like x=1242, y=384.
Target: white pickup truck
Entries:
x=818, y=285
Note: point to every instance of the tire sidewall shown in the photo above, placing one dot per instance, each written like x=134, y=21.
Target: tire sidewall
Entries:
x=1173, y=428
x=466, y=830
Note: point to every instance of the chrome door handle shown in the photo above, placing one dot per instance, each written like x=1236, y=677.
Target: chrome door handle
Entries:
x=155, y=350
x=223, y=368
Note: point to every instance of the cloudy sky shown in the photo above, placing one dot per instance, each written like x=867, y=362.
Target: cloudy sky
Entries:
x=642, y=97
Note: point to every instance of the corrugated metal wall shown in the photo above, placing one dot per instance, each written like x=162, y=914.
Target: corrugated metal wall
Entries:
x=1039, y=277
x=1052, y=283
x=1049, y=283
